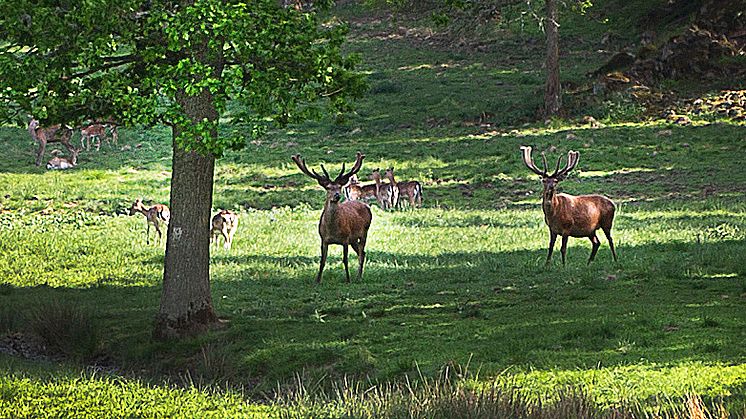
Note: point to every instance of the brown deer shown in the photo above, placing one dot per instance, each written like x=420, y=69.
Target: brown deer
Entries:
x=154, y=215
x=571, y=216
x=356, y=191
x=344, y=223
x=411, y=190
x=62, y=163
x=97, y=131
x=224, y=223
x=384, y=191
x=43, y=135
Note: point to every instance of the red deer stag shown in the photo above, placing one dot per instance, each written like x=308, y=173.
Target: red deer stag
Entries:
x=411, y=190
x=224, y=223
x=154, y=215
x=567, y=215
x=44, y=135
x=344, y=223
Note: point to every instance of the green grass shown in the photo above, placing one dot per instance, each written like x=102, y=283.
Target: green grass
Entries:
x=461, y=280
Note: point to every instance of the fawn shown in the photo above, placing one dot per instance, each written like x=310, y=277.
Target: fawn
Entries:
x=411, y=190
x=154, y=215
x=224, y=223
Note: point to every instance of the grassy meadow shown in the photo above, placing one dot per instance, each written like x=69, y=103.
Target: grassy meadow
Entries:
x=459, y=284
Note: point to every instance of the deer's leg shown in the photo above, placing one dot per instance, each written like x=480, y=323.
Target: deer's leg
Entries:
x=607, y=233
x=157, y=230
x=345, y=252
x=82, y=142
x=40, y=152
x=324, y=249
x=596, y=244
x=563, y=249
x=147, y=233
x=361, y=258
x=226, y=238
x=65, y=140
x=552, y=240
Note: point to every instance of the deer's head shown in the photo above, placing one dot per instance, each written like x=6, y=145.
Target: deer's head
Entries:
x=550, y=182
x=136, y=207
x=333, y=187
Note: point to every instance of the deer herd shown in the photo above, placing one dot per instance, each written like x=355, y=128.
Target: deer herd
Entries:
x=63, y=134
x=346, y=222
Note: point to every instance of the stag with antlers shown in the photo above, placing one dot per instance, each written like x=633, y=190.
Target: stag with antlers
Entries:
x=571, y=216
x=344, y=223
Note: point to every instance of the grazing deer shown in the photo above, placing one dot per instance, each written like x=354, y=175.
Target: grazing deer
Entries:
x=385, y=193
x=567, y=215
x=62, y=163
x=91, y=131
x=44, y=135
x=345, y=223
x=224, y=223
x=356, y=191
x=411, y=190
x=154, y=215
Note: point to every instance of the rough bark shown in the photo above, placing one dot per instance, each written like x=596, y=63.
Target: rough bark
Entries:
x=186, y=302
x=552, y=93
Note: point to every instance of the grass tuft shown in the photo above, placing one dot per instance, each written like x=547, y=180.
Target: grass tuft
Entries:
x=66, y=329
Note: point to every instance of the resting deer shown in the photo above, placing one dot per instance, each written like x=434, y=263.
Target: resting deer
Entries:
x=44, y=135
x=224, y=223
x=97, y=131
x=385, y=193
x=62, y=163
x=154, y=215
x=345, y=223
x=411, y=190
x=567, y=215
x=356, y=191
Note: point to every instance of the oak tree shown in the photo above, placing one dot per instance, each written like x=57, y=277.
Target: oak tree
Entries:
x=193, y=65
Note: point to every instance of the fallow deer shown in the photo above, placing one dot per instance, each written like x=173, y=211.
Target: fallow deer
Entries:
x=224, y=223
x=356, y=191
x=344, y=223
x=87, y=133
x=52, y=134
x=154, y=215
x=411, y=190
x=385, y=193
x=62, y=163
x=571, y=216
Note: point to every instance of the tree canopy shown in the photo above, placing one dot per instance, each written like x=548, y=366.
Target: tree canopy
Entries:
x=67, y=61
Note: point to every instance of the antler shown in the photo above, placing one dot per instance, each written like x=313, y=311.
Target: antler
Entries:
x=301, y=163
x=529, y=162
x=325, y=180
x=572, y=160
x=343, y=177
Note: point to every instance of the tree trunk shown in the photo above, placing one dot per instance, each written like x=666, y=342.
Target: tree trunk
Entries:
x=552, y=94
x=186, y=302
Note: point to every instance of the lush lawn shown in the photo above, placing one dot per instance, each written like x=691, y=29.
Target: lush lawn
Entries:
x=460, y=281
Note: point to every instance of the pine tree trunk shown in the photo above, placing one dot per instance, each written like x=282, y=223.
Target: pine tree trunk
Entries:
x=552, y=93
x=186, y=302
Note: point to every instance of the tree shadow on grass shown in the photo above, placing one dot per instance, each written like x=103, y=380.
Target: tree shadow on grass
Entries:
x=668, y=304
